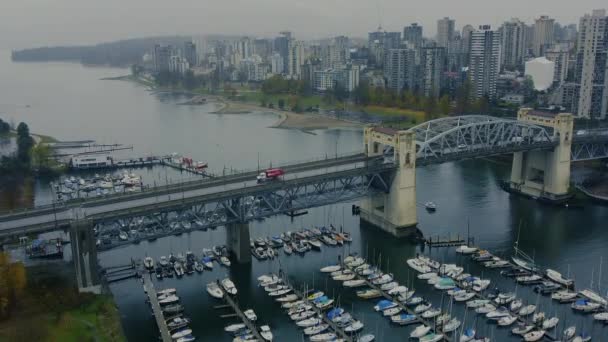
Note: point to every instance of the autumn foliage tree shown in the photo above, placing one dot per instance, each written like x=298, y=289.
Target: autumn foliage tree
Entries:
x=12, y=284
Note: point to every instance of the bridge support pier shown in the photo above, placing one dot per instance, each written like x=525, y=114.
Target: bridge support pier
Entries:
x=395, y=211
x=544, y=175
x=84, y=255
x=238, y=241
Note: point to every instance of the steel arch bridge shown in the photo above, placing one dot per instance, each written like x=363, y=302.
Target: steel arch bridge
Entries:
x=475, y=136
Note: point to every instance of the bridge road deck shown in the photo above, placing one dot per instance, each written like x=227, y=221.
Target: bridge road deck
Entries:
x=158, y=312
x=151, y=198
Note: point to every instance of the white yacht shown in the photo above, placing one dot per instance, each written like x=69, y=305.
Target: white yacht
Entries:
x=228, y=285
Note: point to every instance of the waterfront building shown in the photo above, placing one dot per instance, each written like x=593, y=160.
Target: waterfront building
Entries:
x=178, y=64
x=276, y=63
x=347, y=77
x=162, y=55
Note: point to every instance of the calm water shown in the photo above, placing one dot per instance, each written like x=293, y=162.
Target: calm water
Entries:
x=69, y=102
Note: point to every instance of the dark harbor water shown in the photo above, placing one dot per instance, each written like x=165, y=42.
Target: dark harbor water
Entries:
x=69, y=102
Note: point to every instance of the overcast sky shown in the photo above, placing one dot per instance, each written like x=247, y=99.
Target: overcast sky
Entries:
x=26, y=23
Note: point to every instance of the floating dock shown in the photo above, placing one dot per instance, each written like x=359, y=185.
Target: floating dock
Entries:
x=445, y=242
x=165, y=335
x=230, y=301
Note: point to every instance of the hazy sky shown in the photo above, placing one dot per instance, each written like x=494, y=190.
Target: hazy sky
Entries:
x=25, y=23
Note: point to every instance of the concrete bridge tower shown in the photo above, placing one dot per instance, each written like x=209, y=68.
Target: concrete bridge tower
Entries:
x=395, y=211
x=544, y=174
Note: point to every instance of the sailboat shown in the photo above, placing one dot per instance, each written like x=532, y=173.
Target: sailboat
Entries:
x=521, y=259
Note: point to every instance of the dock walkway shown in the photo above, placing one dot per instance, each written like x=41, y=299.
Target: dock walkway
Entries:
x=165, y=335
x=254, y=330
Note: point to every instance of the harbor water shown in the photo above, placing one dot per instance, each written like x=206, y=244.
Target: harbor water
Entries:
x=71, y=102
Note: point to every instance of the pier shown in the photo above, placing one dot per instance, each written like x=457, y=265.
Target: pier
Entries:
x=230, y=301
x=165, y=335
x=445, y=242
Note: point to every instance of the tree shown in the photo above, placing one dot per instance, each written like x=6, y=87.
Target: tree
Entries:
x=463, y=98
x=189, y=80
x=340, y=92
x=5, y=127
x=430, y=107
x=281, y=104
x=12, y=283
x=361, y=93
x=24, y=144
x=444, y=105
x=41, y=155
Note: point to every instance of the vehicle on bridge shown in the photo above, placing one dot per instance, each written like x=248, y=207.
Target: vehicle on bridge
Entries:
x=270, y=175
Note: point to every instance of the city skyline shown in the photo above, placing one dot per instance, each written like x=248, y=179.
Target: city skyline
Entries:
x=66, y=22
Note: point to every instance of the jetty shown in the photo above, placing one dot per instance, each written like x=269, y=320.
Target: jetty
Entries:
x=239, y=313
x=165, y=335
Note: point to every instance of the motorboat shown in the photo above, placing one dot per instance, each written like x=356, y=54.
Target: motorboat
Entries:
x=463, y=297
x=451, y=325
x=228, y=286
x=123, y=236
x=547, y=287
x=280, y=292
x=330, y=269
x=391, y=311
x=386, y=278
x=177, y=323
x=335, y=312
x=431, y=313
x=531, y=279
x=181, y=333
x=466, y=250
x=369, y=294
x=583, y=337
x=564, y=296
x=302, y=315
x=366, y=338
x=427, y=276
x=287, y=249
x=198, y=267
x=585, y=305
x=420, y=331
x=250, y=314
x=476, y=303
x=538, y=317
x=403, y=319
x=317, y=329
x=389, y=286
x=173, y=309
x=569, y=333
x=214, y=290
x=354, y=327
x=558, y=278
x=225, y=261
x=602, y=317
x=593, y=296
x=235, y=327
x=418, y=266
x=420, y=308
x=149, y=263
x=165, y=292
x=467, y=335
x=207, y=262
x=431, y=337
x=315, y=244
x=414, y=301
x=309, y=322
x=480, y=284
x=385, y=304
x=485, y=309
x=397, y=290
x=169, y=300
x=504, y=298
x=498, y=313
x=330, y=336
x=536, y=335
x=187, y=338
x=430, y=206
x=507, y=321
x=527, y=310
x=550, y=323
x=289, y=298
x=516, y=304
x=266, y=333
x=354, y=283
x=445, y=283
x=522, y=329
x=315, y=295
x=496, y=263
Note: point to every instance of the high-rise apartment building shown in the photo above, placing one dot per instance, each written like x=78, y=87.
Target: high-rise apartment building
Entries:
x=544, y=31
x=445, y=31
x=484, y=61
x=432, y=66
x=295, y=58
x=162, y=56
x=560, y=56
x=513, y=35
x=399, y=69
x=591, y=70
x=190, y=53
x=413, y=35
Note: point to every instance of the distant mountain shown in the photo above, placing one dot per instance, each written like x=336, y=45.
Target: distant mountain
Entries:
x=119, y=53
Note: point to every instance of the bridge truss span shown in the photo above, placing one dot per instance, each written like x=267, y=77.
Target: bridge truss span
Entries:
x=462, y=137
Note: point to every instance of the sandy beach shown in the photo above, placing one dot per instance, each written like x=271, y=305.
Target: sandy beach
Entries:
x=287, y=120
